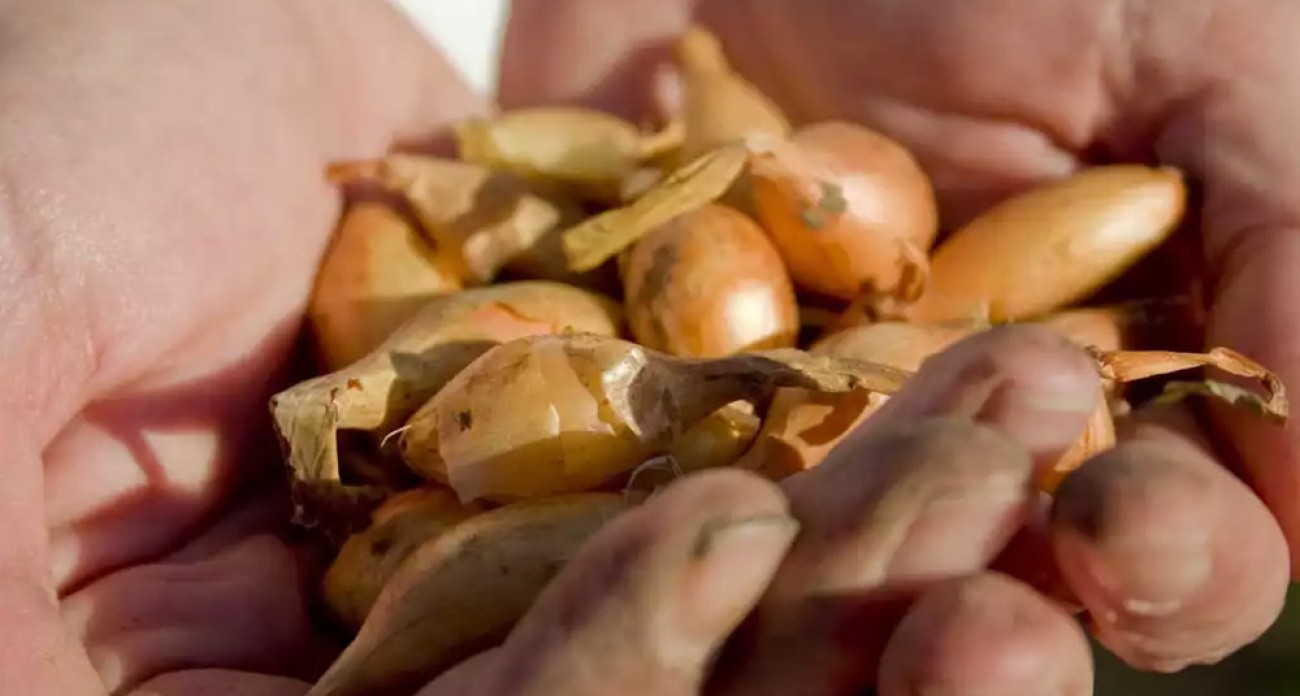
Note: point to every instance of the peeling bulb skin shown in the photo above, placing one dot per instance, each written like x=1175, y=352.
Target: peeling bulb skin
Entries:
x=559, y=414
x=801, y=428
x=709, y=284
x=540, y=422
x=699, y=182
x=378, y=393
x=478, y=219
x=720, y=440
x=590, y=149
x=1268, y=400
x=1047, y=248
x=850, y=209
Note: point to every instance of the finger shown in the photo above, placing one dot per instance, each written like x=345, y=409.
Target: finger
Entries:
x=266, y=507
x=645, y=605
x=986, y=634
x=1175, y=560
x=931, y=488
x=239, y=609
x=1028, y=381
x=220, y=682
x=465, y=677
x=1253, y=315
x=1239, y=141
x=904, y=508
x=594, y=52
x=37, y=656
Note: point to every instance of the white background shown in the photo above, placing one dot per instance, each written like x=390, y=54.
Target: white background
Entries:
x=468, y=31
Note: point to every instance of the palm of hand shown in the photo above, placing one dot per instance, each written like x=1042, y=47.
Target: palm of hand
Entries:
x=171, y=291
x=171, y=208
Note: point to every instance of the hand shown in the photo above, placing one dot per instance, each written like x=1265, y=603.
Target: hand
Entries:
x=162, y=212
x=885, y=581
x=1174, y=559
x=147, y=312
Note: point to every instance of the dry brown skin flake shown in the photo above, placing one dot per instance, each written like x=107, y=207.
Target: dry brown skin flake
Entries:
x=590, y=150
x=479, y=219
x=801, y=427
x=569, y=413
x=1130, y=366
x=701, y=181
x=1121, y=367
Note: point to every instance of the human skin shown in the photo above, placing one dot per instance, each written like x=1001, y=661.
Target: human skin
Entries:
x=162, y=212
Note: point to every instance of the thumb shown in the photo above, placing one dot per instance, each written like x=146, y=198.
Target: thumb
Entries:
x=643, y=608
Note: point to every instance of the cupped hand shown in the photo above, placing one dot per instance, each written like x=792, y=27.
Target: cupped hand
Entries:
x=1174, y=559
x=162, y=212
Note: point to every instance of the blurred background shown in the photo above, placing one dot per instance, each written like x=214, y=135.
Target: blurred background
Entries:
x=469, y=32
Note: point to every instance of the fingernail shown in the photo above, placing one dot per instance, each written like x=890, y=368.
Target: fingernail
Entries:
x=1051, y=391
x=1152, y=580
x=735, y=559
x=1043, y=416
x=1052, y=396
x=1053, y=377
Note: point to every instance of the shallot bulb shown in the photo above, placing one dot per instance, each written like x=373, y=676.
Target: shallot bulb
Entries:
x=557, y=414
x=850, y=209
x=708, y=284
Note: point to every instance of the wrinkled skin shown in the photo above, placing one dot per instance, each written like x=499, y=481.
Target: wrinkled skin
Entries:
x=162, y=211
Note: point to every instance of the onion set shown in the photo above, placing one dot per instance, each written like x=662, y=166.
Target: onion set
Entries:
x=521, y=340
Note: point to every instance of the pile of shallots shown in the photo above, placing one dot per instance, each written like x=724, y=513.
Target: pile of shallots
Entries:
x=517, y=344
